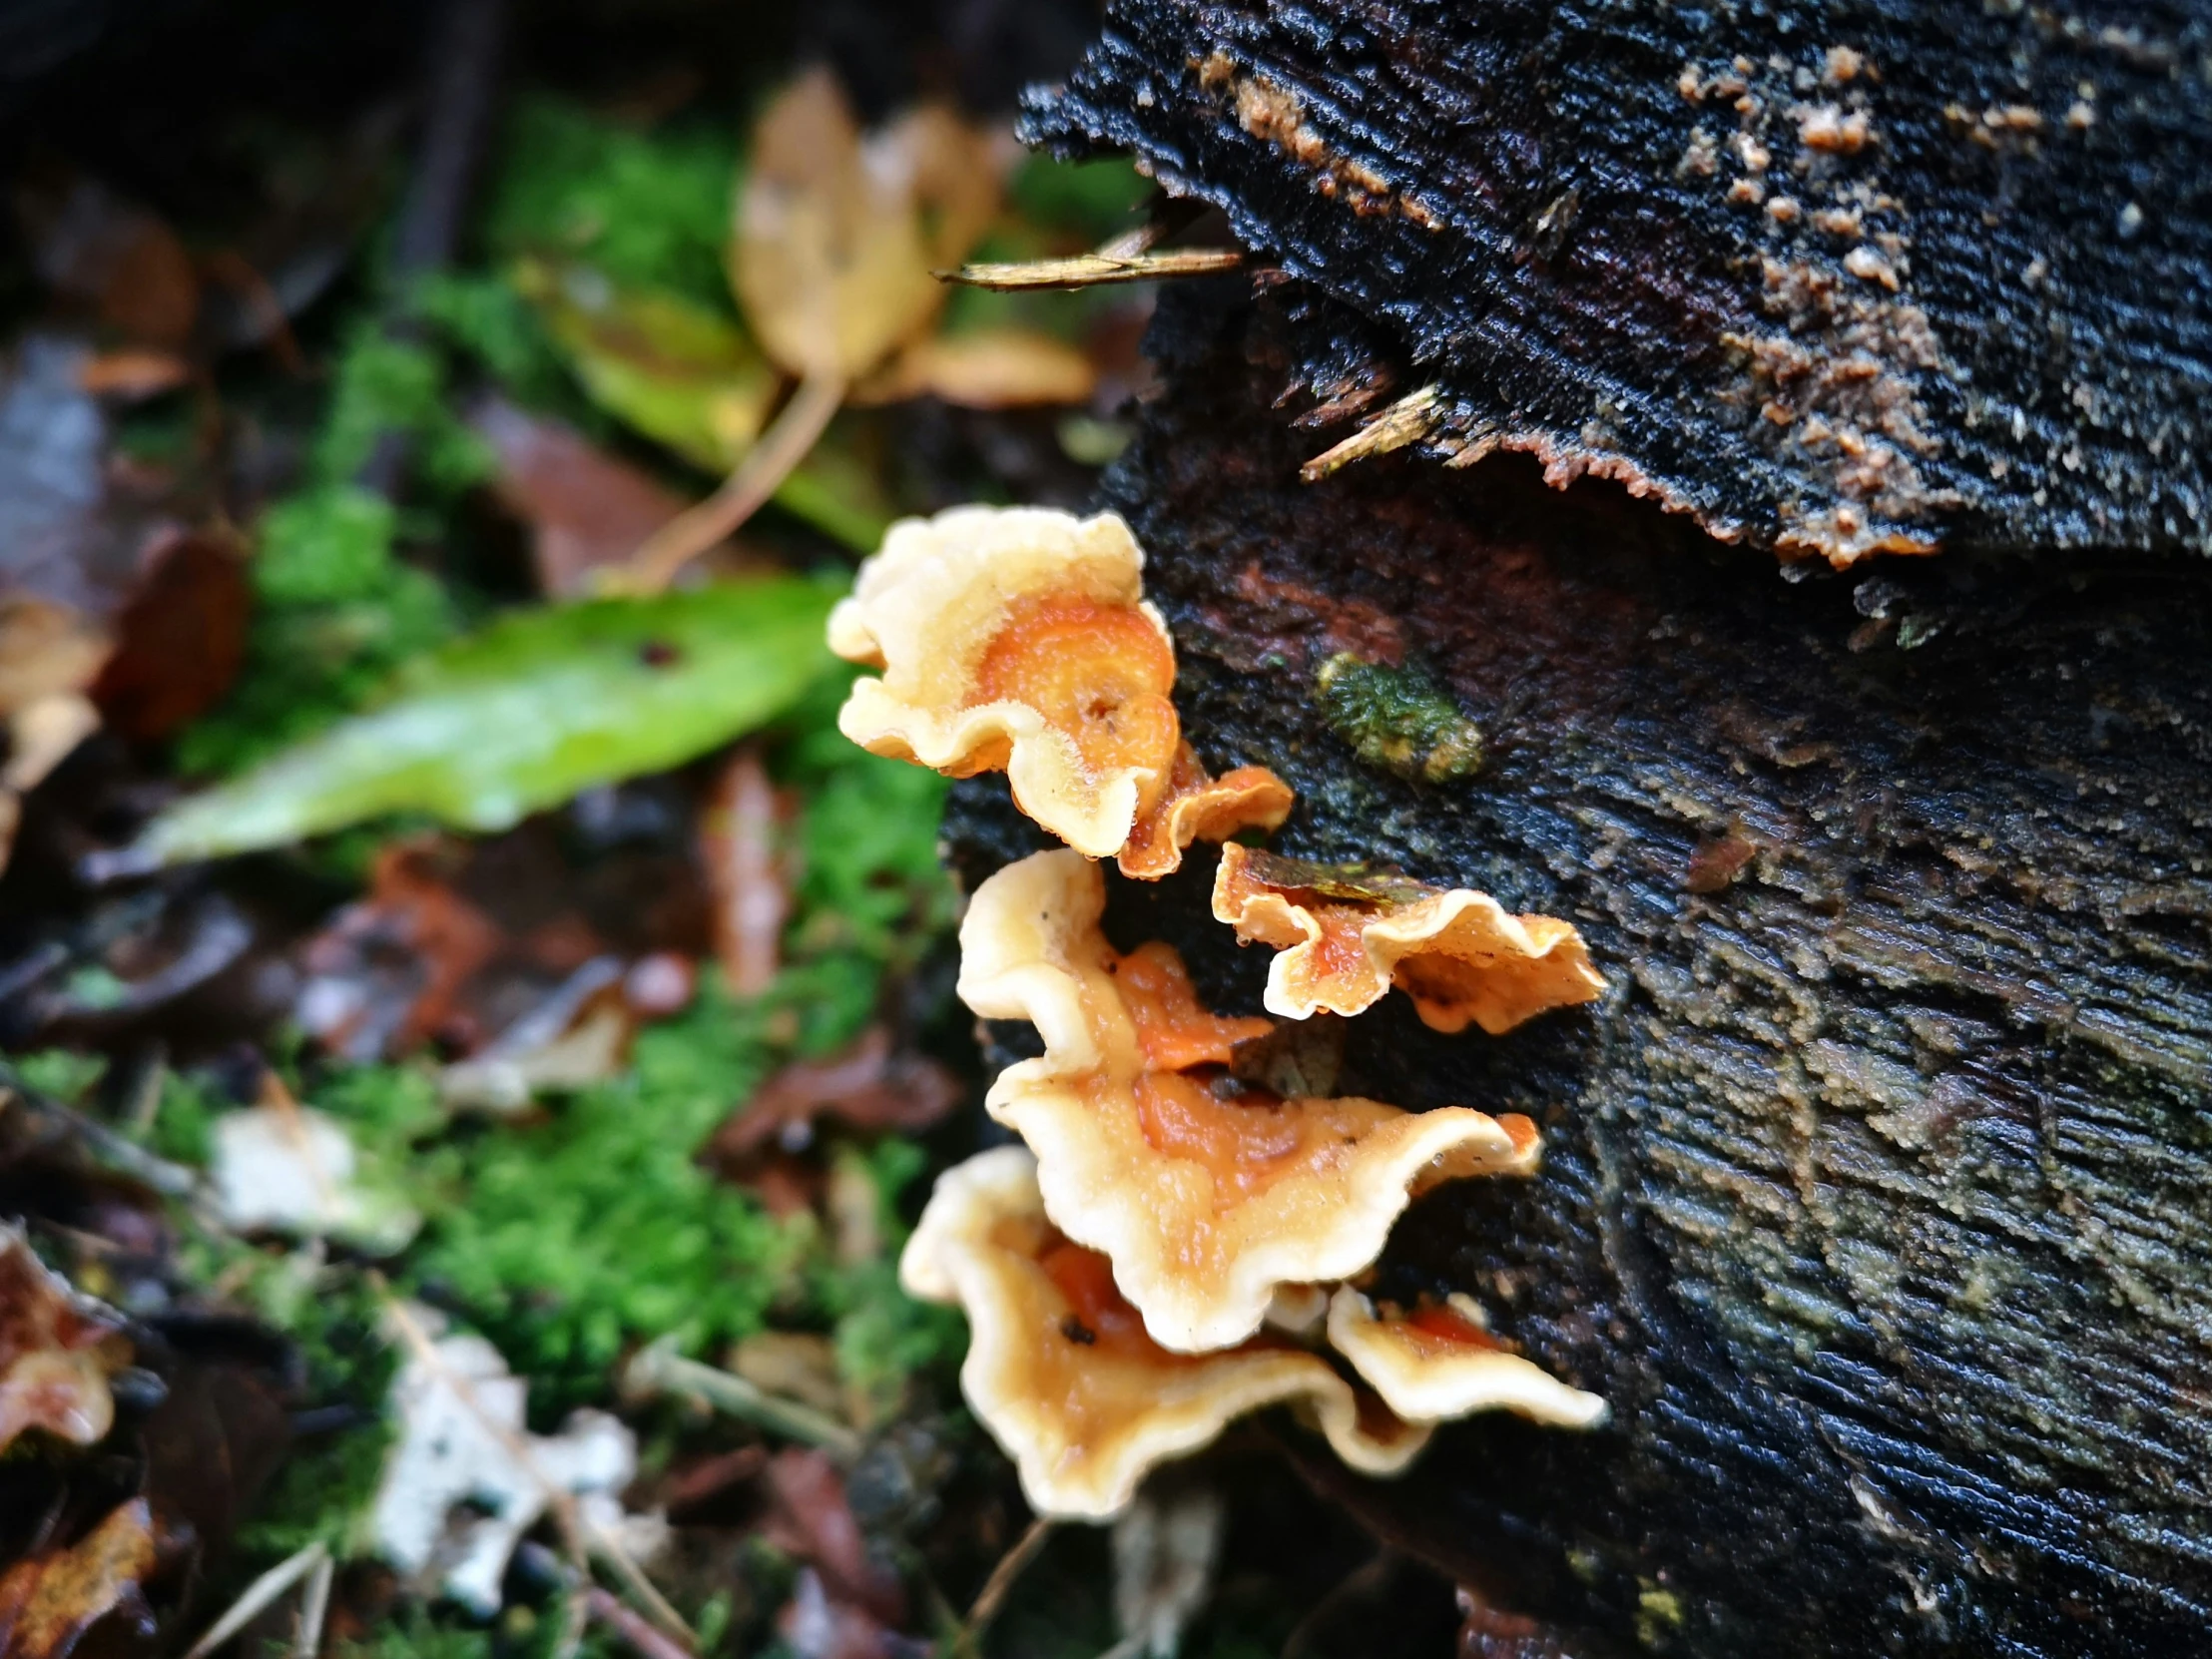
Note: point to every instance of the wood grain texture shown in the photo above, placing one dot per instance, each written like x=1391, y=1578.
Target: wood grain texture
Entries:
x=1876, y=1195
x=1831, y=276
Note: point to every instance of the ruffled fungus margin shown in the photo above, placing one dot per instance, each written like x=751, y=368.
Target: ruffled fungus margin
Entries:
x=1061, y=1371
x=1205, y=1205
x=1439, y=1363
x=1017, y=638
x=1347, y=937
x=1198, y=806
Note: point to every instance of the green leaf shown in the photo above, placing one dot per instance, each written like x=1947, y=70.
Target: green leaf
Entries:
x=688, y=379
x=683, y=376
x=521, y=716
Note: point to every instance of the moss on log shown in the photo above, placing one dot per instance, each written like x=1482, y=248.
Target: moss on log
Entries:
x=1877, y=1196
x=1830, y=275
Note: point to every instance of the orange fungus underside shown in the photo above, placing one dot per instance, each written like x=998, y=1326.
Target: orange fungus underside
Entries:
x=1097, y=674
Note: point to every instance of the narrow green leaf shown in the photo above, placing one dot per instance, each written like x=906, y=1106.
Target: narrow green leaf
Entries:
x=525, y=714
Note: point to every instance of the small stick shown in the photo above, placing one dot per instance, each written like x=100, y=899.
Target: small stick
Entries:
x=1404, y=422
x=314, y=1607
x=1097, y=269
x=258, y=1595
x=996, y=1589
x=168, y=1179
x=641, y=1638
x=659, y=1369
x=791, y=437
x=1364, y=1580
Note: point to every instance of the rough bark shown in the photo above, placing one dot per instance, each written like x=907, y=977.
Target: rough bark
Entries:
x=1832, y=276
x=1875, y=1198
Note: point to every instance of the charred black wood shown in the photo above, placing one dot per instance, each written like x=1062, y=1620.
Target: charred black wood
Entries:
x=1830, y=277
x=1877, y=1189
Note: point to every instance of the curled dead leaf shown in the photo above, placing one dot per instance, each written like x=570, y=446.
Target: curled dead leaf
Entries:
x=837, y=233
x=870, y=1086
x=984, y=369
x=49, y=1602
x=57, y=1352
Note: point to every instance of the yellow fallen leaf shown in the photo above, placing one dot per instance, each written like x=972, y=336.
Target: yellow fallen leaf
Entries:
x=988, y=369
x=837, y=234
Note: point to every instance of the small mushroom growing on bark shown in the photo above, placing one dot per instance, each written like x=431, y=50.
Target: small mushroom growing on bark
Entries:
x=1206, y=1195
x=1438, y=1362
x=1061, y=1370
x=1017, y=638
x=1346, y=935
x=1200, y=806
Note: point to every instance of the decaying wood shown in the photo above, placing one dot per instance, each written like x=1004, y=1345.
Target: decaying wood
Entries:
x=1879, y=1188
x=1830, y=276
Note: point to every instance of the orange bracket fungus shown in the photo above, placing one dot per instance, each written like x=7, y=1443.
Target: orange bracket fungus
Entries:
x=1198, y=806
x=1017, y=638
x=1440, y=1362
x=1062, y=1373
x=1348, y=935
x=1206, y=1195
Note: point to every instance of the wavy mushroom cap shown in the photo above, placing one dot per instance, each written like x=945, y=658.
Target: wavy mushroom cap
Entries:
x=1197, y=805
x=1061, y=1371
x=1345, y=938
x=1206, y=1195
x=1439, y=1363
x=1017, y=638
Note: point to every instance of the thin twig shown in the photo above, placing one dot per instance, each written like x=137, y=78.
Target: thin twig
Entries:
x=315, y=1608
x=1087, y=270
x=1366, y=1579
x=791, y=437
x=170, y=1180
x=996, y=1589
x=257, y=1596
x=659, y=1369
x=1406, y=421
x=462, y=62
x=635, y=1633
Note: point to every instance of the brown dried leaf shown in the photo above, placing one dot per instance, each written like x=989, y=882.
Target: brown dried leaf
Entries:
x=180, y=636
x=869, y=1086
x=837, y=234
x=585, y=508
x=477, y=942
x=49, y=1602
x=744, y=872
x=111, y=257
x=987, y=368
x=811, y=1520
x=57, y=1352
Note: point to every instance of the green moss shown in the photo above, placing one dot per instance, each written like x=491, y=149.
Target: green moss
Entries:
x=1091, y=200
x=338, y=609
x=647, y=207
x=567, y=1238
x=60, y=1072
x=1398, y=719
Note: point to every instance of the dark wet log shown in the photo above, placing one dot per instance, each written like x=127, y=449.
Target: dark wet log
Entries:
x=1879, y=1188
x=1831, y=276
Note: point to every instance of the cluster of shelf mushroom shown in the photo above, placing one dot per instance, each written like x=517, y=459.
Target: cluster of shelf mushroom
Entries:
x=1170, y=1247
